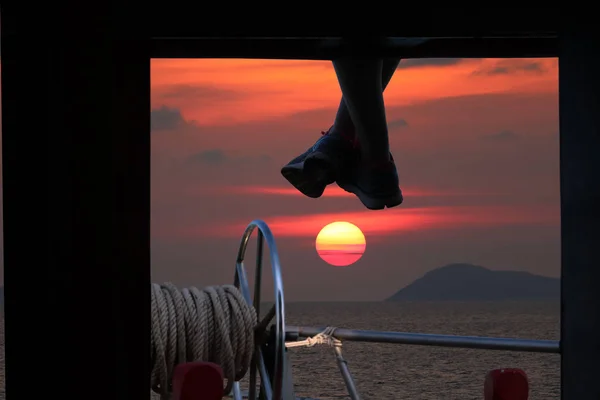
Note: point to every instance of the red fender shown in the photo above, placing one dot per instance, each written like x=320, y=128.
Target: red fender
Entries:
x=506, y=384
x=198, y=381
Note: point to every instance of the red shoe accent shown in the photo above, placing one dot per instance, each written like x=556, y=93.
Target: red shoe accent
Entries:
x=198, y=381
x=506, y=384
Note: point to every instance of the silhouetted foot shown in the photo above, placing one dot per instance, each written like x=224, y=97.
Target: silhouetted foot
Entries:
x=320, y=165
x=376, y=185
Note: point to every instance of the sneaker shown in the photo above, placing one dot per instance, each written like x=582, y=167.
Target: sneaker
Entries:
x=376, y=186
x=320, y=165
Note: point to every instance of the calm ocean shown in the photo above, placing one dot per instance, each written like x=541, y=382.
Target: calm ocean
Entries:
x=384, y=371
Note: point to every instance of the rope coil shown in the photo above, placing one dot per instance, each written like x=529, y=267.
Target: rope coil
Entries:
x=214, y=324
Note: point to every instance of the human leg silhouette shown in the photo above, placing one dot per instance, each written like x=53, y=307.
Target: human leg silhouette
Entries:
x=332, y=154
x=343, y=122
x=373, y=177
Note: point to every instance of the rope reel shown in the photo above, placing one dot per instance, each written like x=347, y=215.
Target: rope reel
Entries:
x=214, y=324
x=219, y=324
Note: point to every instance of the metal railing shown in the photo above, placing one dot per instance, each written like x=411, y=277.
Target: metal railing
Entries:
x=276, y=387
x=426, y=339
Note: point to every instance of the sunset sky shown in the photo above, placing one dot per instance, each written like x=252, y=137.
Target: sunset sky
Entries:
x=475, y=142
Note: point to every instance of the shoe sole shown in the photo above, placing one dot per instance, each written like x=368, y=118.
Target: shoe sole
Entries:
x=311, y=176
x=374, y=202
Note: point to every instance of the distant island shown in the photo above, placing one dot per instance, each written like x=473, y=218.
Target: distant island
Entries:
x=467, y=282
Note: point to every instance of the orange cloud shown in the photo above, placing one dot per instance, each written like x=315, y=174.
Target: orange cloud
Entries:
x=236, y=91
x=392, y=221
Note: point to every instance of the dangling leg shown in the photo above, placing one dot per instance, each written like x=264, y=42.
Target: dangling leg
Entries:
x=373, y=178
x=313, y=170
x=343, y=124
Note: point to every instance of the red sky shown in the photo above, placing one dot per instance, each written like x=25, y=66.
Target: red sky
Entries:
x=476, y=145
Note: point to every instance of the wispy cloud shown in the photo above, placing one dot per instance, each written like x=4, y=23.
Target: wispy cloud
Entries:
x=393, y=221
x=213, y=156
x=166, y=118
x=431, y=62
x=397, y=123
x=502, y=136
x=510, y=67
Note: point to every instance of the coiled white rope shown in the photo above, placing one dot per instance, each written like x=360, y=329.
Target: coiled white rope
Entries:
x=214, y=324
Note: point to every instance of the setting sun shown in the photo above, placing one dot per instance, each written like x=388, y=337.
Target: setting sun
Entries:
x=340, y=243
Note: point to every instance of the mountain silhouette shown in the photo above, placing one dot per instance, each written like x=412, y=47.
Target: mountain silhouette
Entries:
x=467, y=282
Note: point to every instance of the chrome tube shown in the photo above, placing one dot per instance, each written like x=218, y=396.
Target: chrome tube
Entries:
x=343, y=366
x=273, y=389
x=425, y=339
